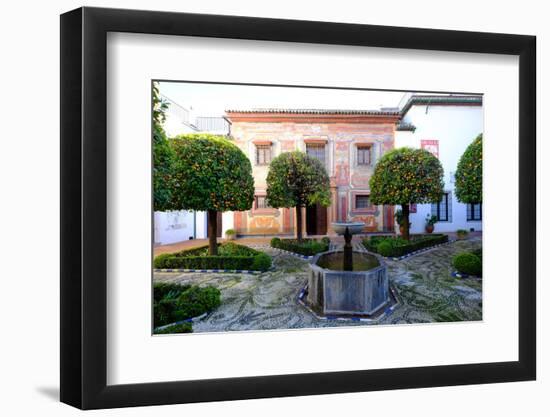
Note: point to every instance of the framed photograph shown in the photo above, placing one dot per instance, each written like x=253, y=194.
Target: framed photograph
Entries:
x=257, y=208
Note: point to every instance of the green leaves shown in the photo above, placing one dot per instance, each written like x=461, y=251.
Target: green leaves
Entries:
x=407, y=175
x=197, y=171
x=159, y=106
x=295, y=180
x=162, y=156
x=469, y=173
x=210, y=173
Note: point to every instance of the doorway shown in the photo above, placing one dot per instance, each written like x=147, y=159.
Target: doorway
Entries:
x=316, y=220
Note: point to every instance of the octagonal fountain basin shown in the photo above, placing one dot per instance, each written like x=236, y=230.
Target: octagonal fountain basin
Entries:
x=361, y=292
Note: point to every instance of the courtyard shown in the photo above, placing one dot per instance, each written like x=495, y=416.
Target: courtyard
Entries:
x=426, y=292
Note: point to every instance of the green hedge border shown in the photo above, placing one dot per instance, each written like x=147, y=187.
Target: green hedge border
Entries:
x=425, y=241
x=174, y=303
x=307, y=247
x=256, y=261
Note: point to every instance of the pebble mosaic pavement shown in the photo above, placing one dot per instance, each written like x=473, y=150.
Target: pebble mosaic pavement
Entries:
x=427, y=293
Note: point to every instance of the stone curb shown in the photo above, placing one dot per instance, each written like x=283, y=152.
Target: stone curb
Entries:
x=190, y=320
x=221, y=271
x=456, y=274
x=297, y=255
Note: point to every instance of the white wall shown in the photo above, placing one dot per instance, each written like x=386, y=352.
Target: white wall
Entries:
x=455, y=127
x=174, y=126
x=201, y=225
x=227, y=221
x=173, y=226
x=182, y=225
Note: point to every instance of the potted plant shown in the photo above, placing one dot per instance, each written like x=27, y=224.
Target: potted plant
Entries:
x=461, y=234
x=399, y=218
x=430, y=222
x=230, y=234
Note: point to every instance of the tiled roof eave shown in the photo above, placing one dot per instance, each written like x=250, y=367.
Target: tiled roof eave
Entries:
x=314, y=112
x=470, y=100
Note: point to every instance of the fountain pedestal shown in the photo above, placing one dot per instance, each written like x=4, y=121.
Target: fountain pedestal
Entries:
x=348, y=251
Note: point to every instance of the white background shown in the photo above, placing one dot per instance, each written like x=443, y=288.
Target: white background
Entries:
x=29, y=172
x=130, y=345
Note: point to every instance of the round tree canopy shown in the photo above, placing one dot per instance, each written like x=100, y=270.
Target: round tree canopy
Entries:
x=162, y=175
x=296, y=179
x=407, y=175
x=469, y=173
x=162, y=155
x=210, y=173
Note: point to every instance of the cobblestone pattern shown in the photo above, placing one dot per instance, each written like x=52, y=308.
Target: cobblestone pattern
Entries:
x=267, y=301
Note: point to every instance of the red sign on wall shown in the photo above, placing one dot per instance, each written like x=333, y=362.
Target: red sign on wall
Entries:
x=431, y=146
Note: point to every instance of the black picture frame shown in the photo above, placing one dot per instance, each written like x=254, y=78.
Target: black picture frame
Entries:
x=84, y=207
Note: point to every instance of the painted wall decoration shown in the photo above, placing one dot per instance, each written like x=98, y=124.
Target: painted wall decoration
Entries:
x=341, y=163
x=431, y=145
x=340, y=133
x=343, y=216
x=260, y=223
x=288, y=145
x=370, y=222
x=360, y=180
x=341, y=174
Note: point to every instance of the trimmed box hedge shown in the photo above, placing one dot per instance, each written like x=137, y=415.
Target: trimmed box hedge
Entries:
x=391, y=246
x=174, y=302
x=469, y=263
x=176, y=328
x=230, y=256
x=307, y=247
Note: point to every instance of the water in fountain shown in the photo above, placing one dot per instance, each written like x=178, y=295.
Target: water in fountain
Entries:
x=335, y=260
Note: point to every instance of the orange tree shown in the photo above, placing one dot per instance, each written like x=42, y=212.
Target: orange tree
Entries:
x=210, y=174
x=405, y=176
x=297, y=180
x=469, y=173
x=162, y=155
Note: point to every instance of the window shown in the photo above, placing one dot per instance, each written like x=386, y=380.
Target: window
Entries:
x=261, y=202
x=363, y=155
x=362, y=201
x=316, y=151
x=442, y=210
x=263, y=154
x=473, y=212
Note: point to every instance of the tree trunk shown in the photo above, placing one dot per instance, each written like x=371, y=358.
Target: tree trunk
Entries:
x=299, y=222
x=212, y=232
x=405, y=221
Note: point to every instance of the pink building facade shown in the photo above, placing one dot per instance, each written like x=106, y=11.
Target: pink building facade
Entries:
x=348, y=143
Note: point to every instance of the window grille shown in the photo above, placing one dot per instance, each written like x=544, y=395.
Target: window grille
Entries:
x=473, y=212
x=316, y=151
x=362, y=201
x=263, y=154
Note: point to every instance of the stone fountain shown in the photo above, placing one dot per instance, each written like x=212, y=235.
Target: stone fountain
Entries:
x=348, y=230
x=347, y=282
